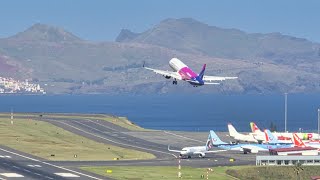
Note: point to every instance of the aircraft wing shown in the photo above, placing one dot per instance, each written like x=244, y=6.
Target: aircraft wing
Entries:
x=203, y=153
x=172, y=74
x=252, y=149
x=211, y=83
x=215, y=151
x=172, y=150
x=217, y=78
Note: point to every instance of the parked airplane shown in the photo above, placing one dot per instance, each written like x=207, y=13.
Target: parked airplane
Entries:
x=196, y=150
x=183, y=72
x=240, y=137
x=246, y=148
x=285, y=137
x=299, y=143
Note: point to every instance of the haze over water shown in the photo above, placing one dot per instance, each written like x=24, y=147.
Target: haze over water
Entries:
x=181, y=112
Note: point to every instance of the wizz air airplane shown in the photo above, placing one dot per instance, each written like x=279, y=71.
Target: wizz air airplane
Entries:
x=240, y=137
x=196, y=150
x=184, y=73
x=284, y=137
x=248, y=148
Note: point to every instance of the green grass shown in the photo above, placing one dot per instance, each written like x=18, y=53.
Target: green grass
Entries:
x=43, y=139
x=218, y=173
x=120, y=121
x=273, y=172
x=158, y=172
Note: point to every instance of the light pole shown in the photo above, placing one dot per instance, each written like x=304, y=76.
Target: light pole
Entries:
x=285, y=111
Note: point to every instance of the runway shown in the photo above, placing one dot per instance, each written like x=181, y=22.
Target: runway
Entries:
x=155, y=142
x=18, y=165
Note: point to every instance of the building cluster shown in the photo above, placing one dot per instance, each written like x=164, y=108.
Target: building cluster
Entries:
x=10, y=85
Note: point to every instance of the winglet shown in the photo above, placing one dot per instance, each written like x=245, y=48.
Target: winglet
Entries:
x=144, y=63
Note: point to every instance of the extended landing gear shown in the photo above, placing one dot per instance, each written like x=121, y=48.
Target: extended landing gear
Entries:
x=174, y=82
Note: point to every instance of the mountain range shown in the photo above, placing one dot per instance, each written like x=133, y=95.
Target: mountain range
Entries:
x=66, y=64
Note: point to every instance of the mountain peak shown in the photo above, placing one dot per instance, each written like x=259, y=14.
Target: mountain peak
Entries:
x=43, y=32
x=126, y=35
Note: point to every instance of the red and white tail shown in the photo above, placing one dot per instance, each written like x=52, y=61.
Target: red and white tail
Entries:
x=254, y=128
x=297, y=141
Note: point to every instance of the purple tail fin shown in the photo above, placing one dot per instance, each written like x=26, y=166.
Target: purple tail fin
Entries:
x=201, y=74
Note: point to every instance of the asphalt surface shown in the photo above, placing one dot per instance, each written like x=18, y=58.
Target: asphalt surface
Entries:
x=18, y=165
x=155, y=142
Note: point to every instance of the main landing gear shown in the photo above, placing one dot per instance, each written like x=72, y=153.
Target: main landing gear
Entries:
x=175, y=82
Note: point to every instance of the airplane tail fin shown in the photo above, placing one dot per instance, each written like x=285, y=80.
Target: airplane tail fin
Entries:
x=232, y=131
x=209, y=144
x=254, y=128
x=297, y=141
x=201, y=74
x=214, y=139
x=270, y=138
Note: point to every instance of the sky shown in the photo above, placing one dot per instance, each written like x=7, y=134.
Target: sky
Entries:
x=102, y=20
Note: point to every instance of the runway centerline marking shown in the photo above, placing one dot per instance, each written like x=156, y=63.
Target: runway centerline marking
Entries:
x=182, y=136
x=49, y=164
x=102, y=124
x=123, y=144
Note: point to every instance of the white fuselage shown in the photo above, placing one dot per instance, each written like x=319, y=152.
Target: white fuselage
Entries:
x=189, y=151
x=285, y=137
x=176, y=64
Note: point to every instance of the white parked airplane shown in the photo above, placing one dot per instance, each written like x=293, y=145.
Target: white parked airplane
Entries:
x=183, y=72
x=196, y=150
x=284, y=137
x=240, y=137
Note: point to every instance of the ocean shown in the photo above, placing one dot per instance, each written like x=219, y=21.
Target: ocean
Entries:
x=179, y=112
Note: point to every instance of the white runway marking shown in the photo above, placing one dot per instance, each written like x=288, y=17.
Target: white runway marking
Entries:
x=36, y=165
x=66, y=174
x=49, y=164
x=5, y=156
x=182, y=136
x=11, y=175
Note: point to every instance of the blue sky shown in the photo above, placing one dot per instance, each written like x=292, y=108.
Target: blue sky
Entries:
x=102, y=20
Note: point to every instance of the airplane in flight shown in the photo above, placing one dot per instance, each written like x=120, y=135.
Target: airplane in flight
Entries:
x=200, y=151
x=184, y=73
x=248, y=148
x=284, y=137
x=240, y=137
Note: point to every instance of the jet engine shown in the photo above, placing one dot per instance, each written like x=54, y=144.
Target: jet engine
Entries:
x=167, y=77
x=202, y=155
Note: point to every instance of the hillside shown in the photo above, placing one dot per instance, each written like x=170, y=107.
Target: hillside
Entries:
x=64, y=63
x=189, y=35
